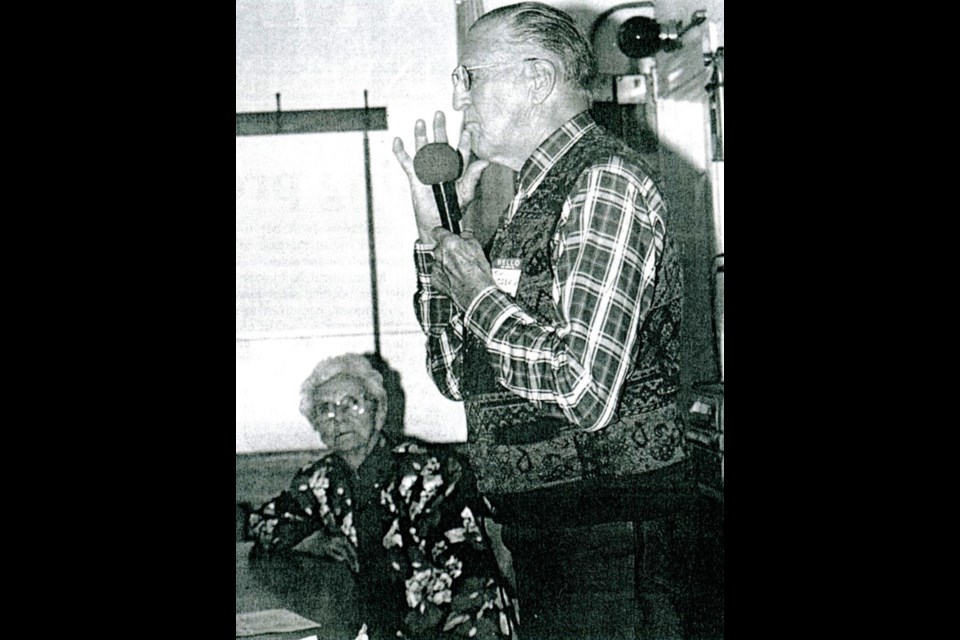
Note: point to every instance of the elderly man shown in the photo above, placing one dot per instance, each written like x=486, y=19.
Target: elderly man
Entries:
x=560, y=332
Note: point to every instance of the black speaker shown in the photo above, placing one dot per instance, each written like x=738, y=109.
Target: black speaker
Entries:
x=639, y=37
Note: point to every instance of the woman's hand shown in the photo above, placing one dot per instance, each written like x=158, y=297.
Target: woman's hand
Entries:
x=336, y=547
x=424, y=204
x=341, y=550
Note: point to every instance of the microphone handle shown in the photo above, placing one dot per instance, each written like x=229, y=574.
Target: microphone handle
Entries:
x=446, y=196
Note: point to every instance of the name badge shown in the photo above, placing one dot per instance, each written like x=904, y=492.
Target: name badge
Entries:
x=506, y=274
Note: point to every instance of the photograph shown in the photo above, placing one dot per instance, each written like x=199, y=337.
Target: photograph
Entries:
x=479, y=320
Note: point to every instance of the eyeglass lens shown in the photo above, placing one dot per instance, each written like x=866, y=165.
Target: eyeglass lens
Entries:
x=330, y=410
x=461, y=77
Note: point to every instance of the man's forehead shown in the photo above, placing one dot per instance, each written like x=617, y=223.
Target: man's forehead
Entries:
x=483, y=53
x=487, y=43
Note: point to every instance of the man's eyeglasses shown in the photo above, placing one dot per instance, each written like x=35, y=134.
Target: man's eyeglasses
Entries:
x=463, y=80
x=347, y=405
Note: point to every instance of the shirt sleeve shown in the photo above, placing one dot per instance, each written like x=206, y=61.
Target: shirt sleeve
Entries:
x=607, y=247
x=442, y=323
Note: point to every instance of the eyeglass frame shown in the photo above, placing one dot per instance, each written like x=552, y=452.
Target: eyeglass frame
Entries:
x=468, y=81
x=324, y=414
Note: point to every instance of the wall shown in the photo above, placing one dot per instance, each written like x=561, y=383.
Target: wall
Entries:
x=303, y=276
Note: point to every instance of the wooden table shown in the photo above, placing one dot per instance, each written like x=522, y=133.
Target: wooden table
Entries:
x=316, y=588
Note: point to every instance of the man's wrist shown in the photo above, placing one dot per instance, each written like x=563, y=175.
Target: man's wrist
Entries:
x=426, y=236
x=482, y=314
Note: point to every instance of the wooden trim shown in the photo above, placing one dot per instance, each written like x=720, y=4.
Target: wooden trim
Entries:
x=264, y=123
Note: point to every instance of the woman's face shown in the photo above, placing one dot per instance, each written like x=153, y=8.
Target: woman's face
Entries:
x=342, y=414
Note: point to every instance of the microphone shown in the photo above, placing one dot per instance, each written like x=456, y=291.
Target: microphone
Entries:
x=438, y=164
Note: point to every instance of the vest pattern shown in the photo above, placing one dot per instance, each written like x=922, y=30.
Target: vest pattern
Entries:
x=515, y=446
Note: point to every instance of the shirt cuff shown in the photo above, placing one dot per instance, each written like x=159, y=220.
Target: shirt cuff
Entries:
x=423, y=258
x=488, y=311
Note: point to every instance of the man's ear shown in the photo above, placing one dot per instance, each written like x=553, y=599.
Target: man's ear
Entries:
x=544, y=80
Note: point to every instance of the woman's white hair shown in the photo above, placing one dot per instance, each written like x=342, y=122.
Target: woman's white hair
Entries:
x=353, y=365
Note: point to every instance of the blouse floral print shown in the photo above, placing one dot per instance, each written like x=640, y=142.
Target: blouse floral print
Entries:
x=431, y=528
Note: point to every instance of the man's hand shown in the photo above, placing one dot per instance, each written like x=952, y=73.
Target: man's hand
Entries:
x=461, y=270
x=424, y=205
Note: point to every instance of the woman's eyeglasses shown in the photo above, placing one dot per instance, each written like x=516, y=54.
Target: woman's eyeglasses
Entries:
x=463, y=80
x=347, y=405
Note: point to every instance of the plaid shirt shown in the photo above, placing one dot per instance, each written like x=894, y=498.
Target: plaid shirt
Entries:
x=605, y=251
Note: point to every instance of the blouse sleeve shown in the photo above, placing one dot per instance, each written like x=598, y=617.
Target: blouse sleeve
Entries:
x=282, y=523
x=319, y=499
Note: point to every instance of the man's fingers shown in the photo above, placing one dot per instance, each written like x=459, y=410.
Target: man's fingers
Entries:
x=467, y=185
x=464, y=147
x=419, y=134
x=406, y=162
x=439, y=280
x=398, y=149
x=439, y=127
x=439, y=233
x=472, y=174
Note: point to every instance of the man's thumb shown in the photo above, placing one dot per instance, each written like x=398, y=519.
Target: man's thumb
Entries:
x=467, y=185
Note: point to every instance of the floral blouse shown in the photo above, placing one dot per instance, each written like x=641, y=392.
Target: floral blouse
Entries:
x=414, y=517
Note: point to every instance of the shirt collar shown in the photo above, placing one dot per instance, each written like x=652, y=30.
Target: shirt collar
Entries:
x=551, y=150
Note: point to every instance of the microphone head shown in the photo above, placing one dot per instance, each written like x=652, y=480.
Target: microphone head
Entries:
x=437, y=163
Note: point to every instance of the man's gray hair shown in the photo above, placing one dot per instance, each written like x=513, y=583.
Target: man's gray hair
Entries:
x=554, y=31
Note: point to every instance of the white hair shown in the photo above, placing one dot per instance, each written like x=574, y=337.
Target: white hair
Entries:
x=353, y=365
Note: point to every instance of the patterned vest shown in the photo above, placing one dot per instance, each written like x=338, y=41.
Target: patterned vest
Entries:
x=516, y=447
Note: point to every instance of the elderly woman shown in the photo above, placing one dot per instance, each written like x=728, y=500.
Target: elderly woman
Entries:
x=404, y=516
